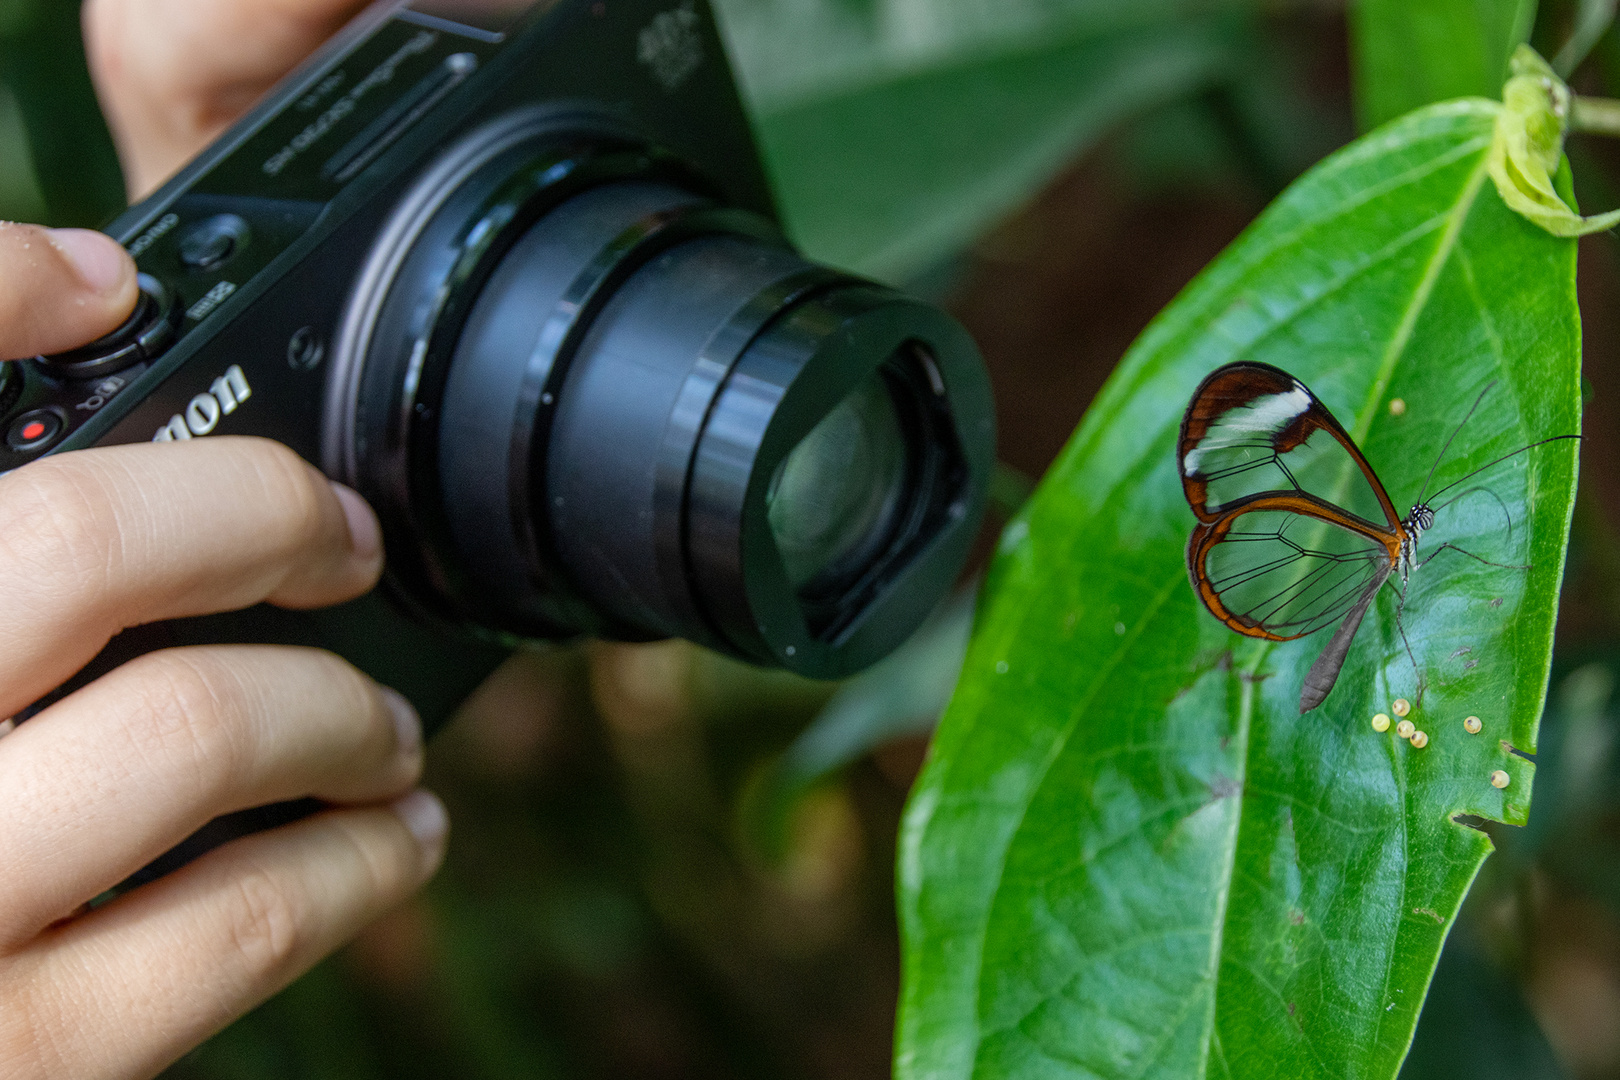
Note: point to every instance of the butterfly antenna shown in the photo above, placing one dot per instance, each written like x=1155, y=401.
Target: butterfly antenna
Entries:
x=1498, y=461
x=1441, y=456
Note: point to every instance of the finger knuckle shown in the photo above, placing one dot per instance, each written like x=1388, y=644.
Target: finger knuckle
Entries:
x=370, y=745
x=352, y=695
x=267, y=924
x=59, y=528
x=361, y=698
x=293, y=488
x=186, y=709
x=383, y=861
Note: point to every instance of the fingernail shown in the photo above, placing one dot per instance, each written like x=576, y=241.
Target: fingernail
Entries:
x=407, y=724
x=364, y=534
x=426, y=818
x=97, y=258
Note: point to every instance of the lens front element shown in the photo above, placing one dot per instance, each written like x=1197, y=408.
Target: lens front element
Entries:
x=835, y=500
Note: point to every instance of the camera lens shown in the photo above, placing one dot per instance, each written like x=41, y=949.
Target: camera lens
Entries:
x=834, y=500
x=586, y=396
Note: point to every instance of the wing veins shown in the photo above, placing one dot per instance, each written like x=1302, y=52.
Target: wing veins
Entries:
x=1319, y=596
x=1300, y=593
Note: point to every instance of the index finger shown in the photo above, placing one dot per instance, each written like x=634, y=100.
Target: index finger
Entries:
x=95, y=541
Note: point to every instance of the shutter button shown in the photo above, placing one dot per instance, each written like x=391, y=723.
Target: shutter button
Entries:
x=149, y=330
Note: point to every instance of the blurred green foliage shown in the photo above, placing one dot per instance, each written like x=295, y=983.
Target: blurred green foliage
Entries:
x=1410, y=54
x=897, y=132
x=57, y=163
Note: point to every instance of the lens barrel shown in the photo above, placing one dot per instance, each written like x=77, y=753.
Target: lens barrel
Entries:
x=587, y=397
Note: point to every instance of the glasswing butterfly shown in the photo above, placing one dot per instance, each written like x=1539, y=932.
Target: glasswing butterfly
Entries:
x=1295, y=531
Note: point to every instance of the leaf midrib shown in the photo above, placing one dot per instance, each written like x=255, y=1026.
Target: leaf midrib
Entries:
x=1386, y=371
x=1218, y=938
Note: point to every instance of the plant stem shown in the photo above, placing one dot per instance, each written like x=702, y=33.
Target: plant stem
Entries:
x=1599, y=116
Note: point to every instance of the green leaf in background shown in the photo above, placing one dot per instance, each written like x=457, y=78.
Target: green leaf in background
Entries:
x=20, y=199
x=1129, y=854
x=896, y=131
x=1410, y=53
x=62, y=169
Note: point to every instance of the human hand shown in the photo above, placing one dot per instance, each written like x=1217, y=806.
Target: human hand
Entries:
x=173, y=74
x=113, y=775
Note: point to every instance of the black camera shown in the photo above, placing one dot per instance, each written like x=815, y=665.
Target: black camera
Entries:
x=511, y=270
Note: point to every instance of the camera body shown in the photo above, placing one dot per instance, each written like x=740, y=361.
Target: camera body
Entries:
x=511, y=270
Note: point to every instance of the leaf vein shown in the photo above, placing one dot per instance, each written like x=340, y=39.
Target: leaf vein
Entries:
x=1420, y=300
x=1246, y=696
x=1294, y=801
x=1105, y=671
x=1282, y=999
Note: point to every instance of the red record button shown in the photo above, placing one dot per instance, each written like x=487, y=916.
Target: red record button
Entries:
x=32, y=430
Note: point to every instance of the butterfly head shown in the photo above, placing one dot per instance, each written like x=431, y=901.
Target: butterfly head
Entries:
x=1420, y=520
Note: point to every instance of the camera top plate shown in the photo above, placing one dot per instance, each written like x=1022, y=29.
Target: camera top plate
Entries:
x=261, y=237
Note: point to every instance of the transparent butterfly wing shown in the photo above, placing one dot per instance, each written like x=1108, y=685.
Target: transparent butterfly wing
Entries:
x=1252, y=430
x=1282, y=567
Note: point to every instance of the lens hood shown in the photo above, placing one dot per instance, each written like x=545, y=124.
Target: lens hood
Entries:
x=569, y=376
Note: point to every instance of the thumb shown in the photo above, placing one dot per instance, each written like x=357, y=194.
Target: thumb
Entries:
x=60, y=288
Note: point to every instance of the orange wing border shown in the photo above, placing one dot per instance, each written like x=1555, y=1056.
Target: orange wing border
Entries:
x=1207, y=534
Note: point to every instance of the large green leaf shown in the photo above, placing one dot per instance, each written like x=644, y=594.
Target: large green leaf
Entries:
x=792, y=53
x=1408, y=54
x=896, y=131
x=20, y=199
x=1129, y=854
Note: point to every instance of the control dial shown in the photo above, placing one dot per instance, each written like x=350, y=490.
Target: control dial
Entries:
x=150, y=328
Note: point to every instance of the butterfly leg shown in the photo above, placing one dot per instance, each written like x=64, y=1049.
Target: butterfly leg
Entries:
x=1471, y=555
x=1400, y=626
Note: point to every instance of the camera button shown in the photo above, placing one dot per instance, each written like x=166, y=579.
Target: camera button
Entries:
x=34, y=430
x=143, y=336
x=210, y=243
